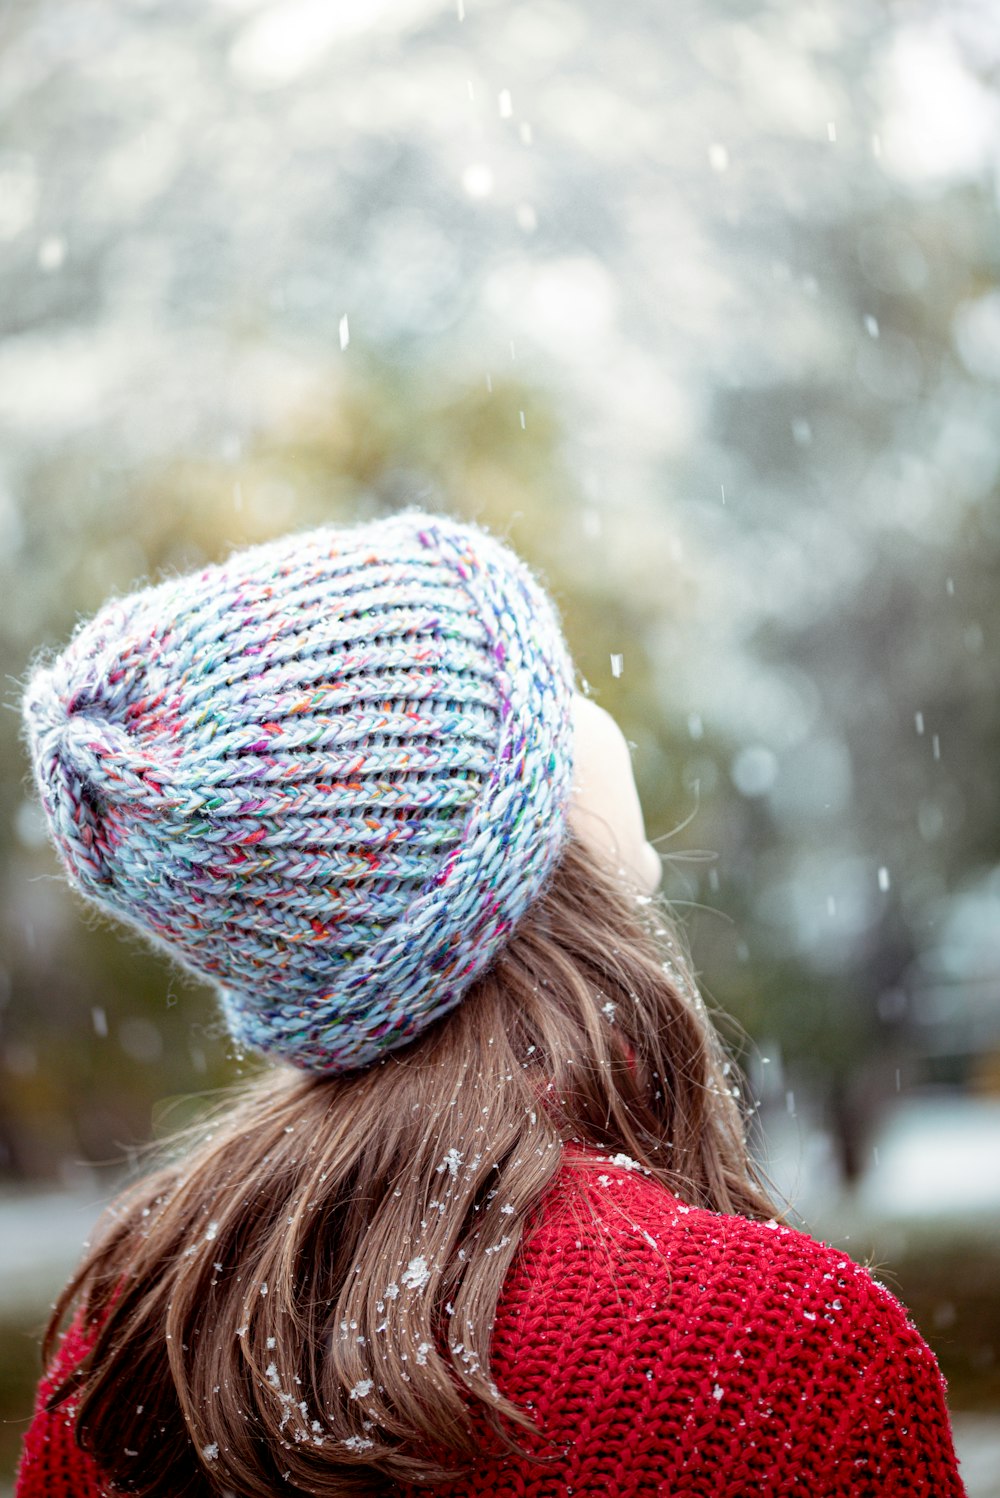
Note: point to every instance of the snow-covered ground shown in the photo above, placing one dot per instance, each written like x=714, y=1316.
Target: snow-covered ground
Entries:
x=934, y=1156
x=977, y=1440
x=41, y=1236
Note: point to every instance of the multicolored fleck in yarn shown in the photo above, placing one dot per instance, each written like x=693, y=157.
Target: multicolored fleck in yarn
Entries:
x=328, y=774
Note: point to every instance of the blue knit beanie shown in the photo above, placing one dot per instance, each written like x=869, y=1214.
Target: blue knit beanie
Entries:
x=329, y=774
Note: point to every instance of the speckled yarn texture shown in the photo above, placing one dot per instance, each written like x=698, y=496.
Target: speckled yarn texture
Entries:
x=329, y=774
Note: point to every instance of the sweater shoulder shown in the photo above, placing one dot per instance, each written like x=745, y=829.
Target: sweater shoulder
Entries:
x=618, y=1262
x=607, y=1219
x=698, y=1344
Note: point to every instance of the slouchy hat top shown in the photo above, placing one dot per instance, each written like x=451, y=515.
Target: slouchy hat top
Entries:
x=329, y=774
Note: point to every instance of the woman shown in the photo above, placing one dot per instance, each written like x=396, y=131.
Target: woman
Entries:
x=488, y=1225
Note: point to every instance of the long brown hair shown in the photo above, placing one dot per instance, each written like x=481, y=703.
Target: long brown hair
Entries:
x=305, y=1296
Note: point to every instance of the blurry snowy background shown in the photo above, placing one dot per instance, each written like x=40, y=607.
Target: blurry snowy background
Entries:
x=696, y=303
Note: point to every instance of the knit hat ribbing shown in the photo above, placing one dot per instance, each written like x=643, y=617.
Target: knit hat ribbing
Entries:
x=328, y=774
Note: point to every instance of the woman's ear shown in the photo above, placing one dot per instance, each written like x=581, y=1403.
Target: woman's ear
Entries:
x=605, y=812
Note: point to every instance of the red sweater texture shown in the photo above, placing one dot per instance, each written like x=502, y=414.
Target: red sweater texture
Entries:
x=671, y=1351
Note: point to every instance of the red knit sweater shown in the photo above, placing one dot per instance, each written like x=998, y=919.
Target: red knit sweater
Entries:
x=666, y=1350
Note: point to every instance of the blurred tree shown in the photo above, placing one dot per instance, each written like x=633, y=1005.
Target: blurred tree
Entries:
x=843, y=829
